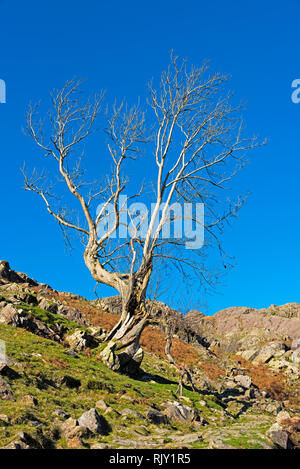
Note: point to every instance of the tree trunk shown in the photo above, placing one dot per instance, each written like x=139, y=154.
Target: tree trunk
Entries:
x=123, y=352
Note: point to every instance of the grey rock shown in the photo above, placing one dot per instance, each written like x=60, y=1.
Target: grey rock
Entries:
x=93, y=421
x=5, y=390
x=177, y=411
x=243, y=380
x=157, y=417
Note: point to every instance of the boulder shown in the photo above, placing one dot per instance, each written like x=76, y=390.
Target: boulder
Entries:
x=47, y=305
x=157, y=417
x=296, y=356
x=13, y=317
x=80, y=340
x=24, y=441
x=295, y=344
x=243, y=380
x=176, y=411
x=93, y=421
x=279, y=437
x=5, y=390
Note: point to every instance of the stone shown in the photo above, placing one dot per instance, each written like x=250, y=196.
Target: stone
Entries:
x=24, y=441
x=68, y=426
x=282, y=417
x=273, y=408
x=93, y=421
x=12, y=316
x=157, y=417
x=99, y=446
x=295, y=344
x=188, y=438
x=30, y=400
x=279, y=437
x=4, y=419
x=101, y=404
x=47, y=305
x=243, y=380
x=296, y=356
x=61, y=413
x=176, y=411
x=5, y=390
x=80, y=340
x=131, y=413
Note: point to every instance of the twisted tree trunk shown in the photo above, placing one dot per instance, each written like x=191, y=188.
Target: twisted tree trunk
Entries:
x=123, y=352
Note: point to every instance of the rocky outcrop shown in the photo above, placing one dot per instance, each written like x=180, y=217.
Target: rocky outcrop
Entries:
x=10, y=276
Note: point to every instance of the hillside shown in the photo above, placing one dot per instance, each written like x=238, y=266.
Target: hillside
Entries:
x=55, y=392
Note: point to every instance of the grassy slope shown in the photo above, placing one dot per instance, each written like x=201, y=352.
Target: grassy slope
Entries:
x=42, y=363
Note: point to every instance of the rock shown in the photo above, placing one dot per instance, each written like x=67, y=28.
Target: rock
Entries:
x=131, y=413
x=98, y=332
x=72, y=314
x=131, y=367
x=295, y=344
x=30, y=400
x=71, y=353
x=5, y=390
x=101, y=404
x=99, y=446
x=80, y=340
x=13, y=317
x=93, y=421
x=248, y=354
x=279, y=437
x=27, y=298
x=157, y=417
x=188, y=438
x=5, y=370
x=68, y=426
x=273, y=408
x=296, y=356
x=24, y=441
x=61, y=413
x=235, y=408
x=282, y=417
x=243, y=380
x=8, y=275
x=4, y=419
x=176, y=411
x=75, y=443
x=47, y=305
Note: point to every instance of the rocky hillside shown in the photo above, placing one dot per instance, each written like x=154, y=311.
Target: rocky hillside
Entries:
x=55, y=392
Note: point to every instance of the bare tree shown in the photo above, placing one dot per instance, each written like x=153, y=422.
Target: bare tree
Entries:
x=196, y=146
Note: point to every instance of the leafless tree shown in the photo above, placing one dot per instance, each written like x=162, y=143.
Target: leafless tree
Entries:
x=196, y=146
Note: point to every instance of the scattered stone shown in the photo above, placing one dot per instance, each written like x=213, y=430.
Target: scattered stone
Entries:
x=30, y=400
x=4, y=419
x=80, y=340
x=61, y=413
x=243, y=380
x=99, y=446
x=101, y=404
x=5, y=390
x=132, y=413
x=157, y=417
x=279, y=437
x=176, y=411
x=93, y=421
x=13, y=317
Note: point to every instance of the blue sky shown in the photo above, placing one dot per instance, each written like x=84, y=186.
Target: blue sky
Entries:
x=119, y=46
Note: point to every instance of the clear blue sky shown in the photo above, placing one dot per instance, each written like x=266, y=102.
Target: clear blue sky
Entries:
x=119, y=46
